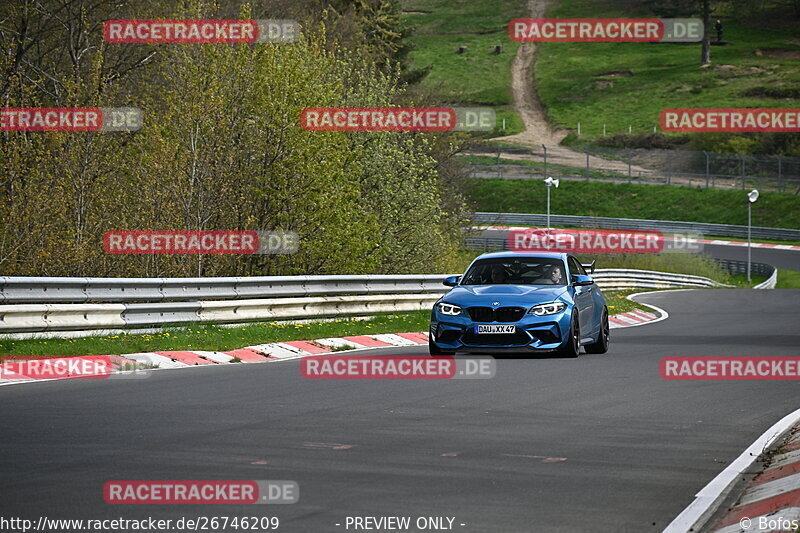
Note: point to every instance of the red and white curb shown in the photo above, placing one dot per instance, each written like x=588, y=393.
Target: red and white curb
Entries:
x=631, y=318
x=772, y=498
x=770, y=502
x=262, y=353
x=704, y=241
x=754, y=245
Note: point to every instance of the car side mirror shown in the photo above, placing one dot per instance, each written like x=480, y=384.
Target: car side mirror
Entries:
x=451, y=281
x=579, y=280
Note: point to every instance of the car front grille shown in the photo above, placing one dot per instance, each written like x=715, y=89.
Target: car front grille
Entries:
x=501, y=314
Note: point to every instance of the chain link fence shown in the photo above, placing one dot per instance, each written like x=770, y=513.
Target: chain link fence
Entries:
x=663, y=167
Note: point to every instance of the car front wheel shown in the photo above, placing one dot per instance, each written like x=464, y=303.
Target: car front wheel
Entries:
x=572, y=344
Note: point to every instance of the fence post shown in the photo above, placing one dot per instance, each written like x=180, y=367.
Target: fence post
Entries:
x=629, y=167
x=579, y=128
x=706, y=154
x=741, y=168
x=781, y=185
x=545, y=161
x=669, y=167
x=586, y=149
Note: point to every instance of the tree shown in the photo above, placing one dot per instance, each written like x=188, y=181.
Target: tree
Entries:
x=705, y=54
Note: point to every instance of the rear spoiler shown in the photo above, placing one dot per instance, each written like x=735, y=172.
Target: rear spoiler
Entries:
x=589, y=266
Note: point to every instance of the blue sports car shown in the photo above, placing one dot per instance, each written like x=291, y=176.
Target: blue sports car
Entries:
x=511, y=301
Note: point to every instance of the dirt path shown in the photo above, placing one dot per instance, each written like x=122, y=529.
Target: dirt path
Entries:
x=538, y=130
x=526, y=101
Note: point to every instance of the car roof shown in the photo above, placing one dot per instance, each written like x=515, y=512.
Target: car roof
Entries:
x=542, y=255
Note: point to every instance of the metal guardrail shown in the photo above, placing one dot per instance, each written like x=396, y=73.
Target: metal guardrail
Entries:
x=84, y=304
x=122, y=290
x=621, y=279
x=528, y=219
x=770, y=282
x=290, y=297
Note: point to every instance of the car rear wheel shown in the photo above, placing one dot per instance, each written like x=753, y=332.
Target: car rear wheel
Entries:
x=601, y=346
x=572, y=345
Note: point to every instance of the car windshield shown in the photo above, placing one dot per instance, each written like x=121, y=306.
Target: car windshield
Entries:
x=516, y=271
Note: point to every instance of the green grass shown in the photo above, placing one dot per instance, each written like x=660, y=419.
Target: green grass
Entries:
x=618, y=302
x=696, y=265
x=788, y=279
x=479, y=77
x=664, y=75
x=662, y=202
x=215, y=338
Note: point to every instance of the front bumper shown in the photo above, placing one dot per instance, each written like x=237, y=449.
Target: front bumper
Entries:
x=533, y=333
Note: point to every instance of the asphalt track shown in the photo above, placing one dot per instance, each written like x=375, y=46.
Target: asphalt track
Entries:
x=598, y=443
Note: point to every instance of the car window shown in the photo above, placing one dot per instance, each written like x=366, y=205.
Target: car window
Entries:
x=516, y=271
x=575, y=267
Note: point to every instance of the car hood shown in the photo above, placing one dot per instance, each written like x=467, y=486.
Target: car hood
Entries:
x=507, y=295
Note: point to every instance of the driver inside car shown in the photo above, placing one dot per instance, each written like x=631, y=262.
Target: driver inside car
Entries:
x=553, y=276
x=498, y=274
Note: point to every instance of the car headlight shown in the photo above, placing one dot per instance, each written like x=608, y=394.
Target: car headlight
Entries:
x=548, y=309
x=448, y=309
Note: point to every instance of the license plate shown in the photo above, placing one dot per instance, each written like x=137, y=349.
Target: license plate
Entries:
x=481, y=329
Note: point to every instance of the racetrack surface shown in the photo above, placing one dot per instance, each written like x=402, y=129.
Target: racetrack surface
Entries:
x=598, y=443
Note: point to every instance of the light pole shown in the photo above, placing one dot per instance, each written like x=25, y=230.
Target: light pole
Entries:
x=549, y=182
x=752, y=196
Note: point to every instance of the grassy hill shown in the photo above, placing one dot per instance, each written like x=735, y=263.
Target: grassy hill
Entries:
x=478, y=77
x=662, y=202
x=759, y=68
x=763, y=58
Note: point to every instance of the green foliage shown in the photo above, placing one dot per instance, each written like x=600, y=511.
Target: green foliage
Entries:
x=788, y=279
x=222, y=148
